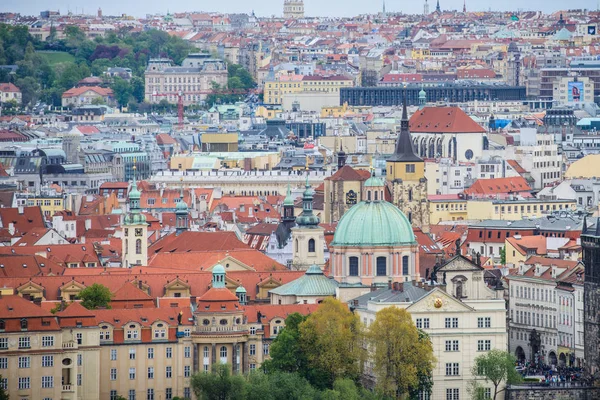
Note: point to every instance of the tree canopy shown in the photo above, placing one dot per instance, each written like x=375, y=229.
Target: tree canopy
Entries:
x=95, y=296
x=401, y=354
x=495, y=366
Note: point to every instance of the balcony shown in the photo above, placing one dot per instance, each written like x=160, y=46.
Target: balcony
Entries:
x=68, y=388
x=69, y=345
x=221, y=329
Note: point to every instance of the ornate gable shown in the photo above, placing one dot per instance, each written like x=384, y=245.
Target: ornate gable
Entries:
x=460, y=263
x=177, y=286
x=32, y=289
x=231, y=264
x=438, y=301
x=69, y=290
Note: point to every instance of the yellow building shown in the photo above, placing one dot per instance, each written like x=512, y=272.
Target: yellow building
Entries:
x=219, y=142
x=284, y=84
x=586, y=167
x=454, y=208
x=49, y=202
x=217, y=160
x=343, y=110
x=269, y=112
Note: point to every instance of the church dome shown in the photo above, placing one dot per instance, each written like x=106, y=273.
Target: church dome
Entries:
x=422, y=94
x=181, y=207
x=134, y=193
x=373, y=223
x=374, y=181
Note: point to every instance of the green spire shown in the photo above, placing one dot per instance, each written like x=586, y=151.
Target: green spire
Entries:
x=288, y=201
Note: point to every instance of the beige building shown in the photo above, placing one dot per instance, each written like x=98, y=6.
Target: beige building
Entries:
x=290, y=86
x=293, y=9
x=9, y=92
x=463, y=316
x=193, y=81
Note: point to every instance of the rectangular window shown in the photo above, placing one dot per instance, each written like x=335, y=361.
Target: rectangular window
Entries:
x=484, y=322
x=169, y=372
x=187, y=371
x=47, y=361
x=105, y=335
x=3, y=343
x=113, y=354
x=113, y=395
x=24, y=383
x=47, y=382
x=150, y=394
x=253, y=330
x=266, y=348
x=3, y=362
x=113, y=374
x=169, y=352
x=252, y=367
x=252, y=349
x=132, y=354
x=132, y=335
x=150, y=372
x=47, y=341
x=168, y=394
x=452, y=394
x=160, y=333
x=24, y=362
x=131, y=395
x=132, y=373
x=150, y=352
x=187, y=393
x=410, y=168
x=187, y=352
x=79, y=360
x=79, y=379
x=79, y=337
x=24, y=342
x=484, y=345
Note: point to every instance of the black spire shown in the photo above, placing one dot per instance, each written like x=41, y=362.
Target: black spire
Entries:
x=341, y=157
x=404, y=148
x=437, y=7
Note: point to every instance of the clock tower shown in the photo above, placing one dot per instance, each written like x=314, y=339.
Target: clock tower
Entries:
x=308, y=238
x=406, y=174
x=135, y=231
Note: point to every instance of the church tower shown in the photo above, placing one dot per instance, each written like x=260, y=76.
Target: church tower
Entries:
x=590, y=241
x=181, y=215
x=426, y=8
x=308, y=238
x=135, y=231
x=406, y=174
x=293, y=9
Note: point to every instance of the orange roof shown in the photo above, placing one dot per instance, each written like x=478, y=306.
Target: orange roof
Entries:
x=130, y=292
x=524, y=243
x=78, y=91
x=516, y=166
x=486, y=187
x=347, y=173
x=443, y=120
x=13, y=308
x=198, y=241
x=199, y=260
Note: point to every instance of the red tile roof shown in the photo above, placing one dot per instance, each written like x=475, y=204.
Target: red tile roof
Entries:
x=443, y=120
x=9, y=87
x=347, y=173
x=500, y=186
x=78, y=91
x=31, y=217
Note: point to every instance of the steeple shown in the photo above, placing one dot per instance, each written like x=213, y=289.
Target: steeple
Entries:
x=181, y=214
x=422, y=98
x=404, y=149
x=288, y=206
x=426, y=8
x=341, y=157
x=464, y=6
x=135, y=230
x=437, y=7
x=134, y=216
x=307, y=219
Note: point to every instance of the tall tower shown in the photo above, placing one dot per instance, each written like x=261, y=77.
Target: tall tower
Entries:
x=181, y=215
x=437, y=7
x=135, y=231
x=465, y=6
x=293, y=9
x=590, y=241
x=406, y=173
x=308, y=237
x=426, y=8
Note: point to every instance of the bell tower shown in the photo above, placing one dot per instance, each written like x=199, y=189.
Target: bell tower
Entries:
x=406, y=174
x=308, y=238
x=590, y=241
x=181, y=215
x=135, y=230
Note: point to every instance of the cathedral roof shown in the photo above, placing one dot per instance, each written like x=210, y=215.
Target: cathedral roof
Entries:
x=443, y=120
x=312, y=283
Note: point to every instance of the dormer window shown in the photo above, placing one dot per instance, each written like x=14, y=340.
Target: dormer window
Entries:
x=24, y=324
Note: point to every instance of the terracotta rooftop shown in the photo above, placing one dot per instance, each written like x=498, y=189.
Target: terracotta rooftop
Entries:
x=443, y=120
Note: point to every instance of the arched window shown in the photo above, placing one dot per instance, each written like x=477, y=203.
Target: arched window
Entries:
x=223, y=352
x=369, y=195
x=23, y=323
x=381, y=266
x=353, y=266
x=311, y=246
x=296, y=244
x=138, y=246
x=376, y=195
x=405, y=265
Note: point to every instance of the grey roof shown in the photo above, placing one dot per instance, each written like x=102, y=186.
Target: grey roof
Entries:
x=408, y=294
x=312, y=283
x=557, y=221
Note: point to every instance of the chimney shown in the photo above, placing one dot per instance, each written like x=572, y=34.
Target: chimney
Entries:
x=21, y=210
x=373, y=287
x=11, y=228
x=88, y=224
x=390, y=284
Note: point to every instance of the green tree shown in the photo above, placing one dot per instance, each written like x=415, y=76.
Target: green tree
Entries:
x=286, y=353
x=30, y=90
x=122, y=91
x=497, y=367
x=503, y=256
x=95, y=296
x=398, y=353
x=330, y=337
x=98, y=101
x=137, y=88
x=219, y=384
x=3, y=392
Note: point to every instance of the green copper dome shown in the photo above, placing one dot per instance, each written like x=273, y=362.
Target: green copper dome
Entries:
x=240, y=289
x=134, y=218
x=134, y=194
x=181, y=207
x=374, y=181
x=422, y=94
x=373, y=223
x=289, y=200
